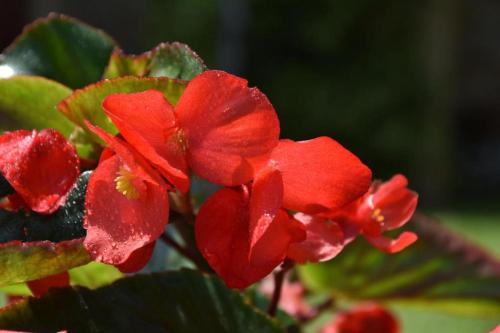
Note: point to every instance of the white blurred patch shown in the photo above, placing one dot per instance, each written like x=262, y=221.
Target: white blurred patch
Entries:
x=6, y=71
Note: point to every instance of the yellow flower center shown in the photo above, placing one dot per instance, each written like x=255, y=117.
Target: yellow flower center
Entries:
x=377, y=215
x=124, y=184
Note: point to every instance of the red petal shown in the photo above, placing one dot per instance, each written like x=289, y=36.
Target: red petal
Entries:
x=41, y=166
x=222, y=236
x=396, y=202
x=42, y=286
x=390, y=245
x=128, y=155
x=228, y=126
x=265, y=203
x=319, y=174
x=146, y=120
x=118, y=226
x=138, y=259
x=324, y=240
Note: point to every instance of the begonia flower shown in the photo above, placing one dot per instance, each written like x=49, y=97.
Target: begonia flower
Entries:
x=383, y=207
x=220, y=129
x=222, y=235
x=323, y=168
x=316, y=176
x=365, y=318
x=41, y=166
x=126, y=204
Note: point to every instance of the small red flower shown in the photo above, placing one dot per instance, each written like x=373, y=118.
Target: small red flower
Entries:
x=367, y=318
x=385, y=207
x=41, y=166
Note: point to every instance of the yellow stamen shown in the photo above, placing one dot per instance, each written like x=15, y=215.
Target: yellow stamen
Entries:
x=124, y=184
x=377, y=215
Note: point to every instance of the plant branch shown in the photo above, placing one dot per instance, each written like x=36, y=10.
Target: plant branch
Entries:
x=178, y=247
x=279, y=278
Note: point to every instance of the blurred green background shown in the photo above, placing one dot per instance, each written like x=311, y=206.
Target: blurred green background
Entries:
x=409, y=86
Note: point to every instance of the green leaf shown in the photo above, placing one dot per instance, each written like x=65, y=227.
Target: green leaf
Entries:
x=441, y=270
x=176, y=61
x=30, y=102
x=34, y=245
x=183, y=302
x=172, y=60
x=86, y=104
x=60, y=48
x=94, y=275
x=121, y=64
x=22, y=262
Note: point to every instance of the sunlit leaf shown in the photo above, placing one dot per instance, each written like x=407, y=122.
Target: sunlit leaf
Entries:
x=182, y=301
x=30, y=103
x=440, y=270
x=121, y=64
x=86, y=104
x=60, y=48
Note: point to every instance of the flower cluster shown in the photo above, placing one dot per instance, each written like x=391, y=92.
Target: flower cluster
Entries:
x=228, y=133
x=278, y=199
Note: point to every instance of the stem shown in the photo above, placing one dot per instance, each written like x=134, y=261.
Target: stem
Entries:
x=179, y=248
x=279, y=278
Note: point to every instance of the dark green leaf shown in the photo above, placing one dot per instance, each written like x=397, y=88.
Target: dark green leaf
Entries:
x=172, y=60
x=65, y=224
x=86, y=104
x=30, y=102
x=440, y=270
x=176, y=61
x=60, y=48
x=34, y=245
x=180, y=302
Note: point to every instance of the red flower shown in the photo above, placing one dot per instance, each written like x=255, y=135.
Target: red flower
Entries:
x=126, y=206
x=223, y=236
x=220, y=128
x=386, y=206
x=246, y=243
x=41, y=166
x=368, y=318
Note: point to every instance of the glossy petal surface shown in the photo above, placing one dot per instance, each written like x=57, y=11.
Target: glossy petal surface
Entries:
x=222, y=235
x=41, y=166
x=324, y=240
x=319, y=174
x=228, y=127
x=117, y=225
x=146, y=120
x=265, y=203
x=138, y=259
